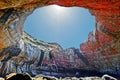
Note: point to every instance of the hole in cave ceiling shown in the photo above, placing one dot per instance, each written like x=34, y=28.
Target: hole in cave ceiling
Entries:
x=67, y=26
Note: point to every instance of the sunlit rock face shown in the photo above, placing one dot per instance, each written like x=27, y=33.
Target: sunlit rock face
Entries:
x=26, y=76
x=100, y=52
x=11, y=26
x=34, y=56
x=39, y=57
x=106, y=12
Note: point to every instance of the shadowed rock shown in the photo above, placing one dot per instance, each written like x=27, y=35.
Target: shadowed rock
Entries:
x=20, y=77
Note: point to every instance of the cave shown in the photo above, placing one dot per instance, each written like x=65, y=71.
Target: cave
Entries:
x=67, y=26
x=100, y=53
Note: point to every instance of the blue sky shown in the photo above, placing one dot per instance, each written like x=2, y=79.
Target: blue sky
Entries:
x=68, y=27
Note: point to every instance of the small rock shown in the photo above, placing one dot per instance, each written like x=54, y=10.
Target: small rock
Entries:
x=23, y=76
x=107, y=77
x=2, y=79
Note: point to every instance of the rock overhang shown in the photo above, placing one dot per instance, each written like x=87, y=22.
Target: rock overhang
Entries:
x=106, y=12
x=102, y=44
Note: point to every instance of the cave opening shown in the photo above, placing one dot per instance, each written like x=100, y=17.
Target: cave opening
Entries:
x=102, y=57
x=67, y=26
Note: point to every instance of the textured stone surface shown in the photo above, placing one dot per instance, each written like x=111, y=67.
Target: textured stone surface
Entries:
x=39, y=57
x=107, y=12
x=101, y=51
x=26, y=76
x=11, y=26
x=26, y=56
x=34, y=56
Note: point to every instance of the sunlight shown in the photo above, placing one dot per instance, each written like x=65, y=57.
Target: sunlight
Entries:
x=58, y=8
x=64, y=25
x=59, y=15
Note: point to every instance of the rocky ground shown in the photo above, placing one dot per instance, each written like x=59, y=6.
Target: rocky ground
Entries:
x=26, y=76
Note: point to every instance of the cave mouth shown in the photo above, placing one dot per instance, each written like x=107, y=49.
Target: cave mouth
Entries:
x=67, y=26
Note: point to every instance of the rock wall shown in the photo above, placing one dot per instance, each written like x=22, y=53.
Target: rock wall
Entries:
x=39, y=57
x=100, y=51
x=107, y=13
x=11, y=26
x=33, y=56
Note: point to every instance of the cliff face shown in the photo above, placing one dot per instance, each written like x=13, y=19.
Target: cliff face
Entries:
x=11, y=25
x=101, y=51
x=33, y=56
x=37, y=57
x=106, y=12
x=25, y=56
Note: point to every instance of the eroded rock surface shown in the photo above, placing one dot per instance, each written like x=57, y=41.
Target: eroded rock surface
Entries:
x=100, y=52
x=39, y=57
x=34, y=56
x=26, y=76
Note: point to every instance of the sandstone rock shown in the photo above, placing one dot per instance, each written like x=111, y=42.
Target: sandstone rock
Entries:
x=26, y=76
x=91, y=78
x=23, y=76
x=10, y=75
x=36, y=57
x=107, y=77
x=2, y=79
x=100, y=52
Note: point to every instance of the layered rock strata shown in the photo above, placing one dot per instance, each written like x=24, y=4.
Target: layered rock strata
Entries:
x=99, y=52
x=38, y=57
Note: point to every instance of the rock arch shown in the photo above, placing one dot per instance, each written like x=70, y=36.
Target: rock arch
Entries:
x=107, y=14
x=103, y=44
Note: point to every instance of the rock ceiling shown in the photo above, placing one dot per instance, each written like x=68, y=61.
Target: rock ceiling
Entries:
x=106, y=12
